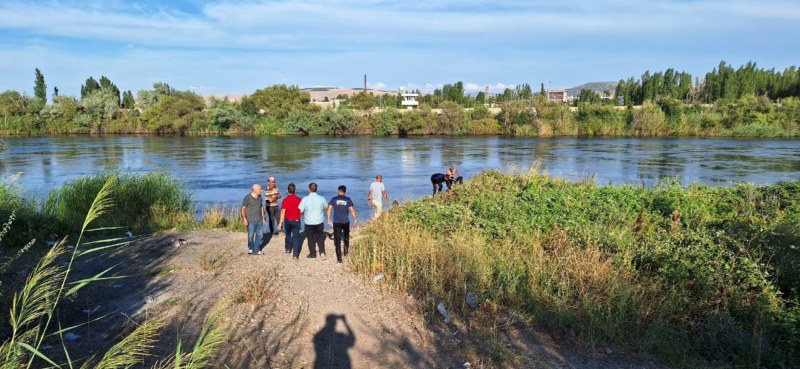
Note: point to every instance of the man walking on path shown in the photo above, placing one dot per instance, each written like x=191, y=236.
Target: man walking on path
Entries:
x=290, y=218
x=313, y=209
x=253, y=218
x=377, y=191
x=342, y=207
x=272, y=195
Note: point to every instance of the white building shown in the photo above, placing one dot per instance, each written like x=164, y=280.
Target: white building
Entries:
x=410, y=100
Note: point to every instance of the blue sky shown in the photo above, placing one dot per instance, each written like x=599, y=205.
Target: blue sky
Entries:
x=224, y=47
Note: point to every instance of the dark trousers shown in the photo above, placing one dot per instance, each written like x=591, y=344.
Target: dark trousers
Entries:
x=292, y=230
x=316, y=239
x=273, y=212
x=459, y=180
x=341, y=232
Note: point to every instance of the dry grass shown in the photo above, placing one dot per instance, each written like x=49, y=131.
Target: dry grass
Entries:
x=259, y=289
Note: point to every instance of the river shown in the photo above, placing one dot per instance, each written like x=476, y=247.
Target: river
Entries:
x=221, y=169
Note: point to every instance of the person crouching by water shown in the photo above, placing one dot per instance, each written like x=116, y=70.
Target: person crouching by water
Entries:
x=253, y=218
x=313, y=209
x=438, y=180
x=342, y=207
x=453, y=176
x=377, y=192
x=272, y=194
x=290, y=219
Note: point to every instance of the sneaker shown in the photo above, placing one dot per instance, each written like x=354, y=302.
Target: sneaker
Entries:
x=322, y=255
x=260, y=253
x=249, y=251
x=338, y=261
x=288, y=251
x=311, y=256
x=295, y=258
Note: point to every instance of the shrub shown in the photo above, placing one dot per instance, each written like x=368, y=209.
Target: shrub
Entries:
x=685, y=273
x=152, y=200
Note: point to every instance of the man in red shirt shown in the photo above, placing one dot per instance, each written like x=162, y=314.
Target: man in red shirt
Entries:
x=290, y=217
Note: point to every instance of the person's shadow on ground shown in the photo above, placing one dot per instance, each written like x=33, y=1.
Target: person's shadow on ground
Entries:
x=331, y=346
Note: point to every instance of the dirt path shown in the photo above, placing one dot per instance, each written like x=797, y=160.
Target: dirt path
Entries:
x=285, y=313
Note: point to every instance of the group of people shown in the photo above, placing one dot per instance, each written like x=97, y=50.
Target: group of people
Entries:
x=452, y=176
x=263, y=213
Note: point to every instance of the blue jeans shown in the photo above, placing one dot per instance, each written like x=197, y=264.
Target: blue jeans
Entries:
x=254, y=235
x=292, y=230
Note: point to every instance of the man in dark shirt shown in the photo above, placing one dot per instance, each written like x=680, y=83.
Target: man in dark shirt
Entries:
x=253, y=217
x=437, y=180
x=342, y=207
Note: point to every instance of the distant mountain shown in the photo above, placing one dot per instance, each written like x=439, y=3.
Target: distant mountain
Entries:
x=598, y=87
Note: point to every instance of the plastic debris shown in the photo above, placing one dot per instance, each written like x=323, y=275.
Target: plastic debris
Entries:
x=442, y=310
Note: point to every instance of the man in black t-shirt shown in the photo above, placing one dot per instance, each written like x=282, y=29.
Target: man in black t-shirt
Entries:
x=342, y=207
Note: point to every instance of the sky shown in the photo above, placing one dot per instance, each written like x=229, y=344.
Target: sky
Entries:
x=220, y=47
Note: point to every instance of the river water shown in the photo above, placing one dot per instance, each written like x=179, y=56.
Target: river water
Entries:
x=221, y=169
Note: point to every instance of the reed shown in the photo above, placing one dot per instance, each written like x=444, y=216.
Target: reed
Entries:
x=35, y=308
x=143, y=201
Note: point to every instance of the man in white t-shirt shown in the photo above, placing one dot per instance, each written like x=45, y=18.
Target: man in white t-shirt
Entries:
x=377, y=192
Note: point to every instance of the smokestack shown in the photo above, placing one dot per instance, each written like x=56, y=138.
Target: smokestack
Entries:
x=365, y=83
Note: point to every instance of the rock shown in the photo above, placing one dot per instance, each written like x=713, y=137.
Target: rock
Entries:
x=71, y=337
x=86, y=311
x=70, y=247
x=47, y=347
x=129, y=234
x=472, y=300
x=51, y=243
x=442, y=310
x=609, y=351
x=466, y=365
x=116, y=285
x=378, y=277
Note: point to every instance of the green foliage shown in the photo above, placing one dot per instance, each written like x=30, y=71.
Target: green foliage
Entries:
x=35, y=310
x=648, y=120
x=148, y=201
x=363, y=100
x=25, y=217
x=226, y=116
x=686, y=273
x=40, y=88
x=450, y=121
x=175, y=113
x=278, y=101
x=145, y=99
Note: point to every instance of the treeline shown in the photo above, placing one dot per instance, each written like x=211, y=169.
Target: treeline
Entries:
x=747, y=102
x=722, y=83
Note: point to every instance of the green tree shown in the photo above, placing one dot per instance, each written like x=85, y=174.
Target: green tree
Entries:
x=450, y=120
x=480, y=98
x=89, y=86
x=590, y=97
x=128, y=101
x=40, y=88
x=278, y=100
x=145, y=99
x=542, y=91
x=175, y=113
x=12, y=103
x=99, y=107
x=363, y=100
x=226, y=115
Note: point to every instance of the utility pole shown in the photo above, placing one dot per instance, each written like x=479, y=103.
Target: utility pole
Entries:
x=365, y=83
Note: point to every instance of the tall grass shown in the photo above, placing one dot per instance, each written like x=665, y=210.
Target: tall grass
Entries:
x=679, y=272
x=26, y=218
x=151, y=200
x=34, y=309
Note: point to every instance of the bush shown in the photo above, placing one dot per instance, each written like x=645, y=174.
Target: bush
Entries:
x=680, y=272
x=26, y=223
x=149, y=201
x=649, y=120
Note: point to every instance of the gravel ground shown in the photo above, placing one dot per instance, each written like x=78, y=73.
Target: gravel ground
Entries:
x=285, y=313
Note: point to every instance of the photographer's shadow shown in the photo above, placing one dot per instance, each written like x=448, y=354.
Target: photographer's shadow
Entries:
x=331, y=346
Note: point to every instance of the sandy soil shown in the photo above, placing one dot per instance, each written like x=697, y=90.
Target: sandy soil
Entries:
x=285, y=313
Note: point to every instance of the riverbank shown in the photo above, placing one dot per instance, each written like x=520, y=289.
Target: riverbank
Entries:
x=268, y=311
x=700, y=276
x=745, y=117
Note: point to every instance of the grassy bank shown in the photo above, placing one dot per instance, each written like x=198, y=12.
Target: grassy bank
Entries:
x=698, y=275
x=151, y=201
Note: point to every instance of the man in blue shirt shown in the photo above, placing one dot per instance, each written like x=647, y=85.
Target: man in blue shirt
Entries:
x=313, y=209
x=342, y=207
